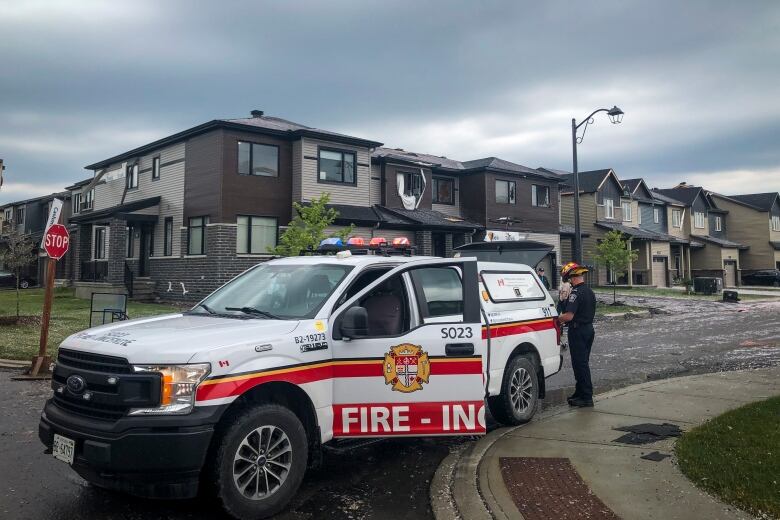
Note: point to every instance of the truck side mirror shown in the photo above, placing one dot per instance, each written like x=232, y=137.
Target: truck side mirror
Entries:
x=354, y=323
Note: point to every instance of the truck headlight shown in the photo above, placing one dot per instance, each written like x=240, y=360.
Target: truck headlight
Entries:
x=177, y=392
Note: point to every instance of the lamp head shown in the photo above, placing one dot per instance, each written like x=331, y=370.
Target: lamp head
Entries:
x=615, y=115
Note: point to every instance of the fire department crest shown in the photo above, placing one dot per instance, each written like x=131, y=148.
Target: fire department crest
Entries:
x=406, y=367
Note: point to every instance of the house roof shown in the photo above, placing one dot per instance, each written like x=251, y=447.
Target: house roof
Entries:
x=79, y=184
x=118, y=211
x=722, y=242
x=664, y=198
x=589, y=180
x=760, y=201
x=415, y=157
x=684, y=194
x=261, y=124
x=641, y=234
x=400, y=218
x=561, y=173
x=430, y=218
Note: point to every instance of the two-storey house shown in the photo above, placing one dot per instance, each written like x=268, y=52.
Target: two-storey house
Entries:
x=711, y=252
x=755, y=219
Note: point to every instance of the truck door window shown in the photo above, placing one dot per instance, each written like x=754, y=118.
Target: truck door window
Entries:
x=362, y=281
x=388, y=308
x=439, y=292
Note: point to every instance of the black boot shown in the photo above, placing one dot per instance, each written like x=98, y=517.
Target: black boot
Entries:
x=579, y=402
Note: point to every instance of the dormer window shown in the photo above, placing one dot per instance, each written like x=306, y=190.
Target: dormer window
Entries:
x=657, y=215
x=698, y=220
x=718, y=224
x=626, y=211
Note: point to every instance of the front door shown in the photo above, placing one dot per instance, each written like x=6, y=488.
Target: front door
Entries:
x=730, y=268
x=438, y=245
x=416, y=366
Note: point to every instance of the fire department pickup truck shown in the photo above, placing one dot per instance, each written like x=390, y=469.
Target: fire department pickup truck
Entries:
x=238, y=395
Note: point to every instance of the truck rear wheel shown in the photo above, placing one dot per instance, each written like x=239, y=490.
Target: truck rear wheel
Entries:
x=260, y=462
x=519, y=397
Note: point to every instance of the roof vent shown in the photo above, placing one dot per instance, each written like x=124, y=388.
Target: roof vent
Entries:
x=399, y=149
x=257, y=113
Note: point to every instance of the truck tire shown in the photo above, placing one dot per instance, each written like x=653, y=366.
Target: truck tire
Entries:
x=259, y=462
x=519, y=398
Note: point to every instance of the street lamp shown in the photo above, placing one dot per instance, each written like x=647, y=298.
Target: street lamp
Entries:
x=615, y=117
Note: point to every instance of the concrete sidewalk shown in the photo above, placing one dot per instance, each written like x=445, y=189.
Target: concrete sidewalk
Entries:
x=486, y=476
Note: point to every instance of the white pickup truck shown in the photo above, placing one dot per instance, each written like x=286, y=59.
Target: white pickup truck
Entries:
x=238, y=395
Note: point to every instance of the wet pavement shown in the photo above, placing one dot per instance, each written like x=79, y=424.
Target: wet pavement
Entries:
x=391, y=478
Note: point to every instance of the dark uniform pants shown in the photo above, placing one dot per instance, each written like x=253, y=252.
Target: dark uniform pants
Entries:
x=580, y=341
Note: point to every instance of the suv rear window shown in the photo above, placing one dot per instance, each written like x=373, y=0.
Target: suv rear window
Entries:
x=512, y=286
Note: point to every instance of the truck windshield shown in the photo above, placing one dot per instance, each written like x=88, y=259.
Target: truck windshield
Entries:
x=277, y=291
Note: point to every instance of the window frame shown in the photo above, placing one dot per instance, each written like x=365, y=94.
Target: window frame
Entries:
x=156, y=168
x=718, y=223
x=677, y=220
x=696, y=217
x=435, y=180
x=168, y=237
x=89, y=199
x=76, y=203
x=20, y=216
x=131, y=176
x=609, y=209
x=656, y=215
x=202, y=227
x=249, y=234
x=775, y=222
x=344, y=152
x=511, y=191
x=627, y=206
x=252, y=155
x=535, y=195
x=409, y=177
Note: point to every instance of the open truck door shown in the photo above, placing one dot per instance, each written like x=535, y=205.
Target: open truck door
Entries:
x=408, y=354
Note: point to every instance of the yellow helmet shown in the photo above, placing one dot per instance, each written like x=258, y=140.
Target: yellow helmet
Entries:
x=572, y=269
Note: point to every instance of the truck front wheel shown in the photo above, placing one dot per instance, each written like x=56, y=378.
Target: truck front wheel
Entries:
x=260, y=462
x=519, y=397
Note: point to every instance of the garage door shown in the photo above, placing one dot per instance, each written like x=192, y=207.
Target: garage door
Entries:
x=730, y=280
x=659, y=272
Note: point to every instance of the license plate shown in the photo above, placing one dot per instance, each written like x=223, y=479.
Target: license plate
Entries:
x=63, y=448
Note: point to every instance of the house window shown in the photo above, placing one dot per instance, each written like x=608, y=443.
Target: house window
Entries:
x=9, y=215
x=19, y=217
x=505, y=192
x=130, y=241
x=540, y=196
x=155, y=168
x=639, y=215
x=626, y=211
x=676, y=218
x=258, y=159
x=168, y=237
x=718, y=224
x=698, y=220
x=196, y=236
x=132, y=176
x=609, y=208
x=775, y=222
x=443, y=191
x=76, y=203
x=657, y=215
x=89, y=200
x=413, y=184
x=336, y=166
x=101, y=244
x=255, y=234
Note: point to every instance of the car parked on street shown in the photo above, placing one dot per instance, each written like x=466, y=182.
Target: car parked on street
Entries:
x=8, y=279
x=238, y=395
x=765, y=277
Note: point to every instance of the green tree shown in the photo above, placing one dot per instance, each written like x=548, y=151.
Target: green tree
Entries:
x=307, y=228
x=19, y=252
x=616, y=255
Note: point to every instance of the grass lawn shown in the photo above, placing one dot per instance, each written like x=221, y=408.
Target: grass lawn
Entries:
x=69, y=315
x=602, y=309
x=673, y=293
x=736, y=456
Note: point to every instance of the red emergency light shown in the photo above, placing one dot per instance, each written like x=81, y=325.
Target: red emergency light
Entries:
x=356, y=241
x=401, y=242
x=377, y=242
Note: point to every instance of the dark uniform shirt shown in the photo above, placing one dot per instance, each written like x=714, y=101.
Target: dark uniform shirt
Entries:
x=582, y=302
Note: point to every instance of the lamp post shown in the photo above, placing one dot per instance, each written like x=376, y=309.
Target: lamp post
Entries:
x=615, y=117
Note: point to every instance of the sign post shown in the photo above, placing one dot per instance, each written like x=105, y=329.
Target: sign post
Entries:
x=56, y=241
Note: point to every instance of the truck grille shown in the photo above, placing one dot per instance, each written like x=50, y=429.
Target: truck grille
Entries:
x=107, y=401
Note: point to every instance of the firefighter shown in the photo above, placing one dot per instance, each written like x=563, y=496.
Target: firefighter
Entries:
x=578, y=314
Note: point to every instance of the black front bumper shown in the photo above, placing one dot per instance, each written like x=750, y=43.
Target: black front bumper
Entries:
x=156, y=457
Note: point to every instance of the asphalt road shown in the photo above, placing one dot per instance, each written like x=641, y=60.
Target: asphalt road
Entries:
x=390, y=478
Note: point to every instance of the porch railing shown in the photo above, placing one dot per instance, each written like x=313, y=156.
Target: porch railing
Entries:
x=94, y=271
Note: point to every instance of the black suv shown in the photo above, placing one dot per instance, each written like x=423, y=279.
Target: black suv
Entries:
x=767, y=277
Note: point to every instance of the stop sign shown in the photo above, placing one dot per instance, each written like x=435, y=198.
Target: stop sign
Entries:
x=56, y=241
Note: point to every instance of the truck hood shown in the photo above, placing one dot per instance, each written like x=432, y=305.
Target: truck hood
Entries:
x=173, y=338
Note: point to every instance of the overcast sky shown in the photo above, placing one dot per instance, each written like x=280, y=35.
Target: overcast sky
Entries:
x=81, y=81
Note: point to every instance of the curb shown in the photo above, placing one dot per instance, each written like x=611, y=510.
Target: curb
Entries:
x=13, y=363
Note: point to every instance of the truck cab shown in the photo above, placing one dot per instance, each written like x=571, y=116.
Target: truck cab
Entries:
x=241, y=392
